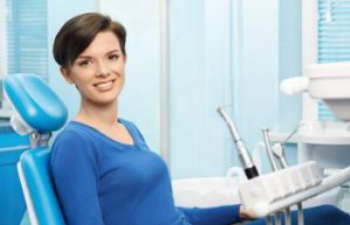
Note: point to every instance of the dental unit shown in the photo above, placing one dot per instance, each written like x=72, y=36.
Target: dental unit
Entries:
x=277, y=191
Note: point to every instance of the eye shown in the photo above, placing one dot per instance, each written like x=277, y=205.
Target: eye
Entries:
x=84, y=63
x=113, y=57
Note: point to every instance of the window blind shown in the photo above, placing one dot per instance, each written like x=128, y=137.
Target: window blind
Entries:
x=3, y=38
x=333, y=39
x=27, y=45
x=3, y=45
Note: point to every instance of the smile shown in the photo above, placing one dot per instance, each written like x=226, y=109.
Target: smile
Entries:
x=104, y=86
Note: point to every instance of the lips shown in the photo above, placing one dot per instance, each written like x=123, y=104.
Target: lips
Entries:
x=104, y=85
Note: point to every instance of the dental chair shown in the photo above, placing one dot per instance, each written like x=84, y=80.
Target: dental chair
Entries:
x=37, y=112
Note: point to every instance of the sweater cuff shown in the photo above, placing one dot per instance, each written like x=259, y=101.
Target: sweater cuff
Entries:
x=236, y=215
x=222, y=215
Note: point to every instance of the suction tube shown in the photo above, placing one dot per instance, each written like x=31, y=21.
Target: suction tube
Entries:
x=246, y=160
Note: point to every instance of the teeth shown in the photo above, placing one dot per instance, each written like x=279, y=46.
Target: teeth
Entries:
x=104, y=86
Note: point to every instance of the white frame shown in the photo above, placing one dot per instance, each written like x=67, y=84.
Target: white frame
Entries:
x=309, y=53
x=27, y=197
x=164, y=81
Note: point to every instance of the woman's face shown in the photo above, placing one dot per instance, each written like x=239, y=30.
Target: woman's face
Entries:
x=98, y=72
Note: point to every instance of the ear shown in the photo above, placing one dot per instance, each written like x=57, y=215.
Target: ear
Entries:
x=66, y=74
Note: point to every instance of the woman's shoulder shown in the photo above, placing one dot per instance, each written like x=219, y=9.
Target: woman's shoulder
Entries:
x=72, y=145
x=71, y=140
x=72, y=132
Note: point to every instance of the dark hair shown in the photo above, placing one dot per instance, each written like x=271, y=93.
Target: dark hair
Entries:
x=78, y=32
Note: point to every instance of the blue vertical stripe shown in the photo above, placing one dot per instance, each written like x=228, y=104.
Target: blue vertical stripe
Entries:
x=27, y=37
x=333, y=39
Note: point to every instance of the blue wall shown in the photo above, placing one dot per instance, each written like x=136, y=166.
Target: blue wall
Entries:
x=290, y=61
x=200, y=81
x=271, y=51
x=257, y=88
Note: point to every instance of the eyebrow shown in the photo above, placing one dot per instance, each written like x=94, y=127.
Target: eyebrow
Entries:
x=108, y=53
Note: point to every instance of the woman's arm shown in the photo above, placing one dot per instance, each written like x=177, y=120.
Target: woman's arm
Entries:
x=74, y=172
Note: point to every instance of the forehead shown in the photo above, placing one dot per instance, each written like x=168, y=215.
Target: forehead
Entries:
x=102, y=43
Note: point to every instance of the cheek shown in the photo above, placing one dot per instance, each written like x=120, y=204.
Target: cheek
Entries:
x=120, y=67
x=82, y=82
x=84, y=75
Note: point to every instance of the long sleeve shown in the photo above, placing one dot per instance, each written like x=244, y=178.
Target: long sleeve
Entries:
x=223, y=215
x=73, y=167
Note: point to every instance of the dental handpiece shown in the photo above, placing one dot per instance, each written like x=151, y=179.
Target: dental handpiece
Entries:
x=269, y=149
x=283, y=162
x=278, y=152
x=244, y=156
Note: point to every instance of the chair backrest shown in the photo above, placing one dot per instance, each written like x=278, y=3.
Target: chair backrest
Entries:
x=34, y=173
x=37, y=111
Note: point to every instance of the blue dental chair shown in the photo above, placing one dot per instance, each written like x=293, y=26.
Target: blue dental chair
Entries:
x=37, y=112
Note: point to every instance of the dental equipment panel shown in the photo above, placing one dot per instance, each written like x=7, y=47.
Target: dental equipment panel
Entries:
x=244, y=156
x=276, y=191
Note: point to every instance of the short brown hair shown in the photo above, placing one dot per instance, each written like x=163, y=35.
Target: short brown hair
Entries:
x=78, y=32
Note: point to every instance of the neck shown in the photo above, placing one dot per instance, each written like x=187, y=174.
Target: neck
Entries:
x=98, y=115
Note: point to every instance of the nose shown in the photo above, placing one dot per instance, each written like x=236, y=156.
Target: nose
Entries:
x=102, y=69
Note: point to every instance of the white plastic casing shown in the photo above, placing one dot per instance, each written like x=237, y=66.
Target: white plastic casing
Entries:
x=266, y=189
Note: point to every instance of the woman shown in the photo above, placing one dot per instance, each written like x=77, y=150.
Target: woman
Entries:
x=103, y=170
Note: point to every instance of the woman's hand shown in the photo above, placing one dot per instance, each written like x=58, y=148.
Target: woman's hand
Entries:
x=246, y=214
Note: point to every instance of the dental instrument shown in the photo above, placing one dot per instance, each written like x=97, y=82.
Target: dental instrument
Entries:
x=278, y=153
x=244, y=156
x=273, y=164
x=269, y=149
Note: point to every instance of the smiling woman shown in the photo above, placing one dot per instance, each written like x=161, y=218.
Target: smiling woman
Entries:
x=103, y=170
x=91, y=52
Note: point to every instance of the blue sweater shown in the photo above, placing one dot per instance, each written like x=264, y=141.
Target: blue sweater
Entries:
x=100, y=181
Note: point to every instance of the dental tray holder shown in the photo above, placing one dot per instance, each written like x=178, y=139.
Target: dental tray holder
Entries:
x=273, y=192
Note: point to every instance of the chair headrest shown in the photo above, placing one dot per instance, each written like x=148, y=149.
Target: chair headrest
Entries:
x=36, y=106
